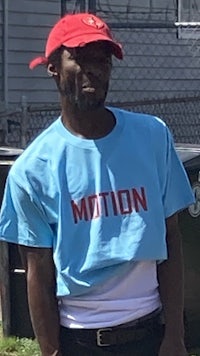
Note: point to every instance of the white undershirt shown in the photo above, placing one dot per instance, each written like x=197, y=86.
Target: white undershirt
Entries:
x=122, y=299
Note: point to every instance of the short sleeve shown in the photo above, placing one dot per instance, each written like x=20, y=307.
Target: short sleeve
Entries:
x=22, y=218
x=177, y=193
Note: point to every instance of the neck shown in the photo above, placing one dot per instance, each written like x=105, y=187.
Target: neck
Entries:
x=91, y=124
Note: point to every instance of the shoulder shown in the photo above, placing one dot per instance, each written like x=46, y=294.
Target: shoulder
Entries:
x=142, y=122
x=147, y=131
x=36, y=159
x=138, y=118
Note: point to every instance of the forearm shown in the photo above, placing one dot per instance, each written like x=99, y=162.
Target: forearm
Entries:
x=41, y=289
x=44, y=315
x=171, y=286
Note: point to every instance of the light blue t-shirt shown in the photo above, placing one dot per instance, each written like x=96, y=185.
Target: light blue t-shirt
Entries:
x=100, y=204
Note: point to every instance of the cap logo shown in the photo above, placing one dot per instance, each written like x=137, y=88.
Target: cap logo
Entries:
x=91, y=21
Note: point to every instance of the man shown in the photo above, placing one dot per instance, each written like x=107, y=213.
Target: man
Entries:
x=93, y=204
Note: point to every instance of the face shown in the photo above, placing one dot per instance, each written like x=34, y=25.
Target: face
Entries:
x=84, y=74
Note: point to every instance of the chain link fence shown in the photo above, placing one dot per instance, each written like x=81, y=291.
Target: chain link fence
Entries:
x=160, y=75
x=182, y=115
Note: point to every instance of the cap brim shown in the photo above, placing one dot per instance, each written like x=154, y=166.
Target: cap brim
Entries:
x=37, y=61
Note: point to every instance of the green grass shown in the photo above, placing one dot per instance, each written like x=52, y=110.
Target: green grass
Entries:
x=14, y=346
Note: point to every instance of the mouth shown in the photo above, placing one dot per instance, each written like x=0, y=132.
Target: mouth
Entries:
x=89, y=88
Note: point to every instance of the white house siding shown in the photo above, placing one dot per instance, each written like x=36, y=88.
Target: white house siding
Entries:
x=156, y=63
x=29, y=25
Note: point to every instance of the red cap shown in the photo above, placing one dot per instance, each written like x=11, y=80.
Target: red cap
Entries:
x=75, y=31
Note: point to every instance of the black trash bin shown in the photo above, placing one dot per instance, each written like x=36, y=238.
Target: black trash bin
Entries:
x=189, y=220
x=14, y=305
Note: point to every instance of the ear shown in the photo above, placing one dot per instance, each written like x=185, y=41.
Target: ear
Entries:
x=51, y=70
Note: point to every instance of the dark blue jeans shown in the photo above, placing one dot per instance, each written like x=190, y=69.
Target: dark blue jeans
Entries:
x=74, y=345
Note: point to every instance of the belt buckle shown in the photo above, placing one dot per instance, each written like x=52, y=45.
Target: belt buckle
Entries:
x=99, y=336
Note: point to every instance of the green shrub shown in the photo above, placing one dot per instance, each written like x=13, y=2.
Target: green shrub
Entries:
x=12, y=346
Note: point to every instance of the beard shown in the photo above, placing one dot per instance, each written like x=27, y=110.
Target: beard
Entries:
x=80, y=100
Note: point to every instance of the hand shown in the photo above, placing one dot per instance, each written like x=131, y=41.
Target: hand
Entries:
x=172, y=348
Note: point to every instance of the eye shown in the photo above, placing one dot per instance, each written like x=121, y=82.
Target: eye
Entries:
x=72, y=54
x=109, y=60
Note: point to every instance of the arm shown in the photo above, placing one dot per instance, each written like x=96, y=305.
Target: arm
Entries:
x=40, y=272
x=171, y=286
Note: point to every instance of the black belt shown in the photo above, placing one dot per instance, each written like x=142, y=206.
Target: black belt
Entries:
x=118, y=334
